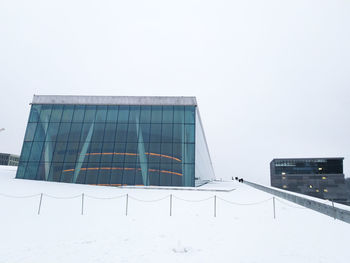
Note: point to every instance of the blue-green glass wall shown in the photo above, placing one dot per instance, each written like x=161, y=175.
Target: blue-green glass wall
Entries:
x=110, y=145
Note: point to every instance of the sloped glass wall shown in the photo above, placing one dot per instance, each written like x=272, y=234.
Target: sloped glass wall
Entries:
x=110, y=145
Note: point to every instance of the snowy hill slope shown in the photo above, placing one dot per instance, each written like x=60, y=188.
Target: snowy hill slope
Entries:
x=243, y=230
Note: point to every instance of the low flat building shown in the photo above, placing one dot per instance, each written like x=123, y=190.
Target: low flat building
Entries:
x=318, y=177
x=9, y=159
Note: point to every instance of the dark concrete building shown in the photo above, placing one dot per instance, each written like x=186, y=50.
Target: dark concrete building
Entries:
x=318, y=177
x=9, y=159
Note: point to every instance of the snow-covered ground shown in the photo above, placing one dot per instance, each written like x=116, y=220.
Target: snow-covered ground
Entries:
x=239, y=233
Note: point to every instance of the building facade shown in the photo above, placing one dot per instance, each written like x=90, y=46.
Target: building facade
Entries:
x=318, y=177
x=9, y=159
x=115, y=141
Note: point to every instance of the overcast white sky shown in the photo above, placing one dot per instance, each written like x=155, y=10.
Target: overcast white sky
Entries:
x=272, y=78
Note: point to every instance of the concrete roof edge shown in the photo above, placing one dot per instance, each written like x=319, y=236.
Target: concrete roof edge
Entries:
x=115, y=100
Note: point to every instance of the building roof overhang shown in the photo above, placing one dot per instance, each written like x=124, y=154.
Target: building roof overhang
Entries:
x=114, y=100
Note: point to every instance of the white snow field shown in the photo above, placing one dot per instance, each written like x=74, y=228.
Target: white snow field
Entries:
x=104, y=233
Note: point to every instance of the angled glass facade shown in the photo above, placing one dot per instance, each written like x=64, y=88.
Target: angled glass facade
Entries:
x=110, y=144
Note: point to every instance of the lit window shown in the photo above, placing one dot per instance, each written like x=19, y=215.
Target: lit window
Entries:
x=310, y=186
x=283, y=177
x=324, y=177
x=283, y=173
x=325, y=190
x=320, y=169
x=317, y=190
x=284, y=186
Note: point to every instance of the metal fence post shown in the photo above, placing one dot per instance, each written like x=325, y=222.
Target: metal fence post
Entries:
x=274, y=208
x=126, y=205
x=335, y=211
x=41, y=198
x=214, y=205
x=82, y=203
x=171, y=204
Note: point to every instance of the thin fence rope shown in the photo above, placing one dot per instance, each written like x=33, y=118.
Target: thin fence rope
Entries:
x=234, y=203
x=63, y=197
x=193, y=201
x=149, y=201
x=104, y=198
x=14, y=196
x=292, y=206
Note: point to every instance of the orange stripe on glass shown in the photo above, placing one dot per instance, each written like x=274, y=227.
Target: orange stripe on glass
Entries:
x=125, y=168
x=135, y=154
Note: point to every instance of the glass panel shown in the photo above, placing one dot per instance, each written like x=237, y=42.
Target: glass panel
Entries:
x=55, y=172
x=145, y=128
x=179, y=114
x=21, y=169
x=110, y=132
x=189, y=133
x=78, y=115
x=90, y=112
x=31, y=171
x=178, y=132
x=132, y=133
x=68, y=172
x=56, y=113
x=25, y=151
x=45, y=113
x=177, y=152
x=99, y=129
x=30, y=131
x=63, y=132
x=92, y=173
x=154, y=153
x=41, y=172
x=122, y=131
x=167, y=132
x=72, y=152
x=168, y=114
x=123, y=116
x=129, y=174
x=156, y=131
x=104, y=175
x=156, y=114
x=34, y=113
x=116, y=175
x=189, y=154
x=101, y=113
x=35, y=153
x=188, y=175
x=119, y=153
x=190, y=114
x=167, y=153
x=145, y=114
x=107, y=152
x=154, y=174
x=165, y=174
x=40, y=132
x=52, y=131
x=60, y=152
x=75, y=130
x=95, y=151
x=81, y=176
x=131, y=155
x=85, y=131
x=112, y=114
x=134, y=114
x=67, y=114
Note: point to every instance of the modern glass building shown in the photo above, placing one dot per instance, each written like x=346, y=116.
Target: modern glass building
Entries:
x=318, y=177
x=115, y=141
